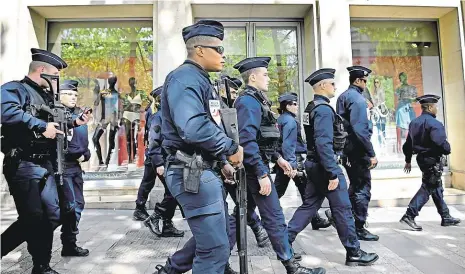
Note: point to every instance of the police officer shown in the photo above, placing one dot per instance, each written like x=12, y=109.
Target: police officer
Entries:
x=29, y=160
x=259, y=137
x=154, y=166
x=292, y=148
x=325, y=140
x=427, y=138
x=192, y=132
x=352, y=106
x=73, y=197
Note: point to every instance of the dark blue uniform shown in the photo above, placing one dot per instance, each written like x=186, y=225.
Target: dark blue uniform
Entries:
x=427, y=138
x=29, y=175
x=352, y=106
x=188, y=103
x=78, y=146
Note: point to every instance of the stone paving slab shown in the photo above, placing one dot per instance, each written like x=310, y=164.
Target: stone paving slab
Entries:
x=119, y=245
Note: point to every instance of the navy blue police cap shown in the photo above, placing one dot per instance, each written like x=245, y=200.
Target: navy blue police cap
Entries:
x=156, y=92
x=428, y=99
x=69, y=85
x=251, y=63
x=359, y=71
x=204, y=28
x=48, y=57
x=319, y=75
x=289, y=96
x=234, y=82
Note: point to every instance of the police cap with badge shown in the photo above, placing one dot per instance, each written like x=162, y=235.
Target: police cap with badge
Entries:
x=251, y=63
x=234, y=82
x=48, y=57
x=288, y=97
x=320, y=75
x=428, y=99
x=69, y=85
x=210, y=28
x=359, y=71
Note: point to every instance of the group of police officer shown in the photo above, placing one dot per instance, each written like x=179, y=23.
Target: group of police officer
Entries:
x=196, y=160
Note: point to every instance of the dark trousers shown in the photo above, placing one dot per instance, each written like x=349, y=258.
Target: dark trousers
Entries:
x=282, y=182
x=72, y=202
x=315, y=193
x=359, y=188
x=36, y=200
x=168, y=205
x=431, y=186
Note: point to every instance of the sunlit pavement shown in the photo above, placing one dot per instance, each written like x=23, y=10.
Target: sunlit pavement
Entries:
x=118, y=244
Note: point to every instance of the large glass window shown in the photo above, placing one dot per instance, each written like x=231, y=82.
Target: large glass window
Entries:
x=112, y=61
x=404, y=57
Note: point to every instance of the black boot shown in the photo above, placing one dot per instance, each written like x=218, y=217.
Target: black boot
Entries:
x=448, y=220
x=170, y=231
x=228, y=270
x=318, y=222
x=140, y=213
x=43, y=269
x=361, y=258
x=410, y=221
x=363, y=234
x=260, y=235
x=329, y=215
x=159, y=269
x=292, y=267
x=153, y=223
x=74, y=251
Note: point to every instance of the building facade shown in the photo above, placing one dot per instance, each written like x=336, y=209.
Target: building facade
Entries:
x=414, y=47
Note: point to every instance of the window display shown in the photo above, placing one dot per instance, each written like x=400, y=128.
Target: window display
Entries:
x=404, y=58
x=112, y=61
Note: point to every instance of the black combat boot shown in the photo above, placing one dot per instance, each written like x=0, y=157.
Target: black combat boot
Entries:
x=43, y=269
x=329, y=215
x=170, y=231
x=74, y=251
x=260, y=235
x=448, y=220
x=228, y=270
x=361, y=258
x=140, y=213
x=153, y=223
x=410, y=221
x=292, y=267
x=318, y=222
x=363, y=234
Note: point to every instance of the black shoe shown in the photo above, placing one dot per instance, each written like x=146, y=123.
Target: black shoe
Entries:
x=43, y=269
x=261, y=236
x=74, y=251
x=297, y=257
x=449, y=221
x=153, y=223
x=318, y=222
x=329, y=215
x=228, y=270
x=159, y=269
x=292, y=267
x=140, y=213
x=170, y=231
x=410, y=222
x=361, y=259
x=365, y=235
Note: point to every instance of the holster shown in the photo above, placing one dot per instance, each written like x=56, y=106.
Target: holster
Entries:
x=193, y=167
x=432, y=176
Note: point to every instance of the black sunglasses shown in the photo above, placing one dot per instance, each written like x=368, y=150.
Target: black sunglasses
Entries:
x=364, y=80
x=219, y=49
x=293, y=104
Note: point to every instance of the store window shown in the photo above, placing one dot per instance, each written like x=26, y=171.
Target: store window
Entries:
x=112, y=61
x=404, y=57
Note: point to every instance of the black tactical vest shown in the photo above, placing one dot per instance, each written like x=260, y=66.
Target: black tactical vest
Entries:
x=268, y=135
x=340, y=135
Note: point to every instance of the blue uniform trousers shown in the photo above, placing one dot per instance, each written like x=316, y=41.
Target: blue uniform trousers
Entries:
x=207, y=215
x=35, y=194
x=272, y=216
x=359, y=188
x=73, y=202
x=315, y=193
x=431, y=186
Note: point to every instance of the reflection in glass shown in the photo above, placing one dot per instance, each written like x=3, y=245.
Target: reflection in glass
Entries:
x=404, y=57
x=112, y=61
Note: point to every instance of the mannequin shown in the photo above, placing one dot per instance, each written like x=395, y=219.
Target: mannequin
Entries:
x=132, y=105
x=109, y=100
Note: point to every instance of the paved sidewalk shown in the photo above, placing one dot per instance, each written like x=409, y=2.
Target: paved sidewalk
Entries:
x=120, y=245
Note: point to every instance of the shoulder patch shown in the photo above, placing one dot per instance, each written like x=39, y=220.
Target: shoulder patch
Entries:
x=306, y=119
